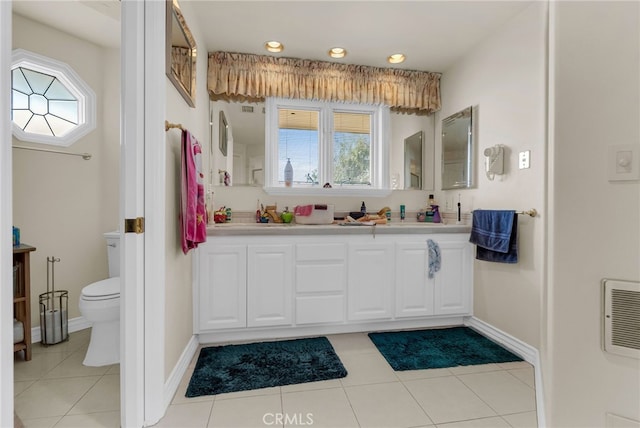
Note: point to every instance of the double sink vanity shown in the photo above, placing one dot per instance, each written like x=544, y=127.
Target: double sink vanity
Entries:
x=257, y=281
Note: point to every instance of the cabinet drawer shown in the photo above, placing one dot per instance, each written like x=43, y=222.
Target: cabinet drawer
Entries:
x=317, y=252
x=321, y=277
x=319, y=309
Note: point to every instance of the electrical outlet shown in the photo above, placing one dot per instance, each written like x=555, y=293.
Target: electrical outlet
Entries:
x=523, y=159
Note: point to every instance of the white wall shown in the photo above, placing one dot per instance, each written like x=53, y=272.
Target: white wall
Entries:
x=178, y=271
x=595, y=224
x=64, y=204
x=503, y=78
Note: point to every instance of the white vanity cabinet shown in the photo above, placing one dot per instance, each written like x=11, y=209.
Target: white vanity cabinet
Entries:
x=252, y=286
x=448, y=292
x=269, y=285
x=452, y=283
x=414, y=290
x=371, y=284
x=221, y=294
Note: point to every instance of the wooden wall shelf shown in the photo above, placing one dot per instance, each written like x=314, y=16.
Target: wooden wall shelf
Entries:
x=22, y=296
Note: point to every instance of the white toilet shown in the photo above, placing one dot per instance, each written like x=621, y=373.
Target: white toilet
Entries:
x=100, y=305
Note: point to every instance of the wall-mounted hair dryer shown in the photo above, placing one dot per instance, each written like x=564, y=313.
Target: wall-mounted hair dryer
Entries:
x=494, y=161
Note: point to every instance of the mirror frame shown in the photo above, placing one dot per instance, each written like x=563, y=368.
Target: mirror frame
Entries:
x=408, y=182
x=468, y=180
x=223, y=134
x=175, y=22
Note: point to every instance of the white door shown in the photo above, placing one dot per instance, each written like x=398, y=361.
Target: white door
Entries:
x=142, y=192
x=132, y=206
x=6, y=209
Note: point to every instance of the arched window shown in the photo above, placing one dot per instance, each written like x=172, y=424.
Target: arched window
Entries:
x=50, y=103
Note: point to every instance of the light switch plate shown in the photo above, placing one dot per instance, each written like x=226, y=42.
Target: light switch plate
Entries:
x=523, y=159
x=623, y=162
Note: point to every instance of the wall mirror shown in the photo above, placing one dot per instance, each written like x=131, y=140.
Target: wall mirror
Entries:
x=180, y=53
x=413, y=161
x=457, y=150
x=246, y=123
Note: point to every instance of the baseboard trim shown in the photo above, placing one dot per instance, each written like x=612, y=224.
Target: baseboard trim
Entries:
x=74, y=324
x=173, y=381
x=520, y=348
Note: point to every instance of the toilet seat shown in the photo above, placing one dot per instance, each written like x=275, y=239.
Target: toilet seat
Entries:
x=106, y=289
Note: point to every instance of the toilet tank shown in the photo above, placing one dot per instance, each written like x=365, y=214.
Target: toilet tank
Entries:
x=113, y=252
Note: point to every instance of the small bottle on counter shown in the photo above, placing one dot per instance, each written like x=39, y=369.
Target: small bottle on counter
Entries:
x=402, y=212
x=363, y=208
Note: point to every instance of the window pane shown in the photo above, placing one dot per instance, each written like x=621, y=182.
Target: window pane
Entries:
x=39, y=82
x=67, y=110
x=351, y=148
x=21, y=117
x=19, y=83
x=59, y=126
x=298, y=137
x=57, y=91
x=38, y=125
x=19, y=101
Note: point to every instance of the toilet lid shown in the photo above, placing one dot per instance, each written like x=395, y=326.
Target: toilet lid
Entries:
x=109, y=287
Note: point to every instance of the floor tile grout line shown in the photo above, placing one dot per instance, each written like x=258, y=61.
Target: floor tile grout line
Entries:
x=418, y=402
x=525, y=383
x=475, y=393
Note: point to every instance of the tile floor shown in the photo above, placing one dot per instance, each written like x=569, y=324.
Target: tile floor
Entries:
x=56, y=390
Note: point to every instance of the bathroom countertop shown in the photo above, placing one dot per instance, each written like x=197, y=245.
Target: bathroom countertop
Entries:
x=239, y=229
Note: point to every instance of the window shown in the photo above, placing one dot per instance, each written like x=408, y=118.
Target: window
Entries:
x=50, y=103
x=336, y=143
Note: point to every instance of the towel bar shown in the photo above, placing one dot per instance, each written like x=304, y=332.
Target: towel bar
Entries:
x=531, y=213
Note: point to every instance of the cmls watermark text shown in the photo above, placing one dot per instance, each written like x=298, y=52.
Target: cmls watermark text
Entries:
x=288, y=419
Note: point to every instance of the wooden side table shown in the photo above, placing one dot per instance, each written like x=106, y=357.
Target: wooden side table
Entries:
x=22, y=296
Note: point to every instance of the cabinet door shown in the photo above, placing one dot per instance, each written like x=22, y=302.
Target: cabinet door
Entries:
x=269, y=285
x=223, y=287
x=453, y=283
x=414, y=290
x=370, y=281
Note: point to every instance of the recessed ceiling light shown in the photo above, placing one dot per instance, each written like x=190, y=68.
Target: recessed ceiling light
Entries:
x=396, y=58
x=274, y=46
x=337, y=52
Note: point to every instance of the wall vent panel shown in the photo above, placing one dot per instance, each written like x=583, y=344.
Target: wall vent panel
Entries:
x=621, y=317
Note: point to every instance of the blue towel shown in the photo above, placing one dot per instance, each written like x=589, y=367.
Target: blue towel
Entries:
x=495, y=234
x=434, y=257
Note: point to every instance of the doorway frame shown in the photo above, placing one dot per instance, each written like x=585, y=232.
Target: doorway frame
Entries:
x=142, y=348
x=6, y=221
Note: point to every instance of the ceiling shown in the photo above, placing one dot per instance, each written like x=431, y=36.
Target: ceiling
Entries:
x=432, y=34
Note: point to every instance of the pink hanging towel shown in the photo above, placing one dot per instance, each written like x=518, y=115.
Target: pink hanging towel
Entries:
x=193, y=212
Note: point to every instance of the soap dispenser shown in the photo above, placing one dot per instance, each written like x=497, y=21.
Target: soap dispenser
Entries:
x=436, y=214
x=363, y=209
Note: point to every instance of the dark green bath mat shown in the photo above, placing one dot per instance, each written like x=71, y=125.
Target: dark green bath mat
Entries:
x=439, y=348
x=233, y=368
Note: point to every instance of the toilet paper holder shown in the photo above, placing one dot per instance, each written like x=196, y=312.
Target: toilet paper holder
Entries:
x=54, y=305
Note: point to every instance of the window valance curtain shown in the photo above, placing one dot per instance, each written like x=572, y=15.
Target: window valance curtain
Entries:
x=248, y=76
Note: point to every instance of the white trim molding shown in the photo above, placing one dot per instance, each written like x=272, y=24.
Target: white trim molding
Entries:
x=520, y=348
x=180, y=369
